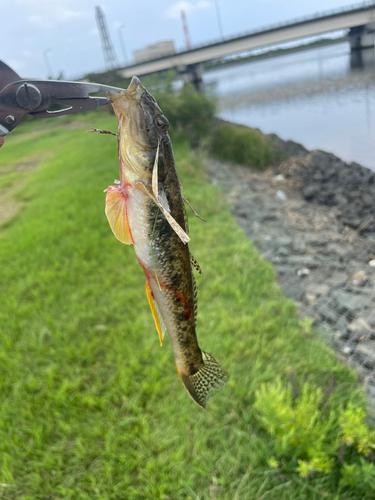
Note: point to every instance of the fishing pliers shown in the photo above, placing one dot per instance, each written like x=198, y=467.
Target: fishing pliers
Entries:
x=21, y=96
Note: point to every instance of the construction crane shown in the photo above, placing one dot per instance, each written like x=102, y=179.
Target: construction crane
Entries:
x=186, y=31
x=110, y=58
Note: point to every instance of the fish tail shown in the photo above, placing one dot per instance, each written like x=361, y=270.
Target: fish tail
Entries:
x=209, y=376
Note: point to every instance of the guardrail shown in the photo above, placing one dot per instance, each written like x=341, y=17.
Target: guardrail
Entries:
x=284, y=24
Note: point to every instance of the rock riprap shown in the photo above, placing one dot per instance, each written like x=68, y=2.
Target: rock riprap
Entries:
x=325, y=179
x=311, y=216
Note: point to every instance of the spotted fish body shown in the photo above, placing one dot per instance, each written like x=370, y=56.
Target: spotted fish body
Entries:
x=139, y=212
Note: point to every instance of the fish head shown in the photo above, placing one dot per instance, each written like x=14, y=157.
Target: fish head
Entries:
x=142, y=126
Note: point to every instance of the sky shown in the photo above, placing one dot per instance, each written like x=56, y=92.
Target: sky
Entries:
x=66, y=32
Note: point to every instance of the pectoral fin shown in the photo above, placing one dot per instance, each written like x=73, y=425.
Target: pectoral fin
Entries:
x=115, y=210
x=159, y=323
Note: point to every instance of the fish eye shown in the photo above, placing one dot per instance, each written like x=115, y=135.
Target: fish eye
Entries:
x=161, y=122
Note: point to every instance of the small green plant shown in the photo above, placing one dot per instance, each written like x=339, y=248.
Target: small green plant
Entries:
x=354, y=431
x=317, y=436
x=297, y=425
x=240, y=145
x=306, y=325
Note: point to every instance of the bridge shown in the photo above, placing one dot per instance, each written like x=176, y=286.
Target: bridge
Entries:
x=360, y=18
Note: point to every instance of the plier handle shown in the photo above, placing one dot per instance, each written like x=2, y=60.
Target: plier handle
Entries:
x=19, y=97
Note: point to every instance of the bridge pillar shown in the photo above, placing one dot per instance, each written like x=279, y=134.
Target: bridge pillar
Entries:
x=364, y=58
x=192, y=73
x=362, y=37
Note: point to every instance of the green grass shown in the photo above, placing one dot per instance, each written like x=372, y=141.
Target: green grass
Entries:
x=91, y=406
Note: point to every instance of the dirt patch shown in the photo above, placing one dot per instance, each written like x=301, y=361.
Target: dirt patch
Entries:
x=27, y=166
x=78, y=125
x=9, y=207
x=22, y=166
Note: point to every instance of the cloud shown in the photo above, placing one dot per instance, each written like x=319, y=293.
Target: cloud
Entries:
x=53, y=17
x=47, y=15
x=174, y=11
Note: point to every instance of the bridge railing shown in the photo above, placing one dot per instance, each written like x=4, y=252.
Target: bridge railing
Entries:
x=283, y=24
x=310, y=17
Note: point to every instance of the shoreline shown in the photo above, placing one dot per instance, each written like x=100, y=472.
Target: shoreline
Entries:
x=304, y=216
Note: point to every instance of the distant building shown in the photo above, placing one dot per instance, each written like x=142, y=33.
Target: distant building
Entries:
x=154, y=51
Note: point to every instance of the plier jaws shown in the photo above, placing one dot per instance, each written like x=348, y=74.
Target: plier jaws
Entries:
x=44, y=98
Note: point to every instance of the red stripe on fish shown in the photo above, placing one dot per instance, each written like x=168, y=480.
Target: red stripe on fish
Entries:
x=150, y=275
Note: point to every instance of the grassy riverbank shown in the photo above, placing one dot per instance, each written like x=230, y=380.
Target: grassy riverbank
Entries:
x=91, y=406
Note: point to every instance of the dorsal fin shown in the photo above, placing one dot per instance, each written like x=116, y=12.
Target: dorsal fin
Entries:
x=195, y=265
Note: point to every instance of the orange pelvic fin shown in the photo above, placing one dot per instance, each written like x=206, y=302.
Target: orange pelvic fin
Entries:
x=159, y=323
x=115, y=210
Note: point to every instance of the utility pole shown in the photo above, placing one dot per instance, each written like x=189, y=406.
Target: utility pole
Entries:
x=218, y=15
x=186, y=30
x=122, y=43
x=110, y=59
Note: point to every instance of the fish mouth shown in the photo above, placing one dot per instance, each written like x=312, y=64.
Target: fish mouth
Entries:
x=134, y=90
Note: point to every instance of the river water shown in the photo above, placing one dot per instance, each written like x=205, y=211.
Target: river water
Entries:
x=323, y=98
